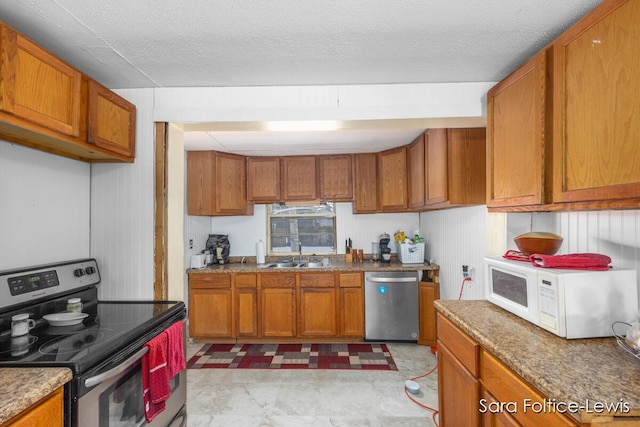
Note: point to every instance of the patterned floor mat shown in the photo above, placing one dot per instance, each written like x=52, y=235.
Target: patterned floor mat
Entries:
x=366, y=356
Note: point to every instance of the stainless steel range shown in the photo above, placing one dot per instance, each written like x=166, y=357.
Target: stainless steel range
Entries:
x=103, y=350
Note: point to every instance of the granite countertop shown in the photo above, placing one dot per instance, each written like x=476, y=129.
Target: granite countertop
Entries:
x=335, y=266
x=22, y=387
x=578, y=370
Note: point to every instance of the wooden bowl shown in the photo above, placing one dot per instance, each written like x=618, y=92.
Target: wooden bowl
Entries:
x=538, y=242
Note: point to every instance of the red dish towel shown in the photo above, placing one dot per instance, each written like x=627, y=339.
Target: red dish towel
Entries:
x=155, y=378
x=175, y=349
x=515, y=255
x=584, y=261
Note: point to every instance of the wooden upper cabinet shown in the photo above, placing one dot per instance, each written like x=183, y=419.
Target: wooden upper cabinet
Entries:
x=335, y=177
x=365, y=183
x=519, y=136
x=48, y=105
x=112, y=121
x=455, y=167
x=37, y=86
x=216, y=184
x=436, y=162
x=263, y=179
x=392, y=179
x=416, y=161
x=596, y=105
x=299, y=178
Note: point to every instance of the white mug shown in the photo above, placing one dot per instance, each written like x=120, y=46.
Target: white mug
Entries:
x=21, y=324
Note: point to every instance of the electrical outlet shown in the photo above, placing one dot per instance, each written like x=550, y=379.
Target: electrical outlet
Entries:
x=467, y=273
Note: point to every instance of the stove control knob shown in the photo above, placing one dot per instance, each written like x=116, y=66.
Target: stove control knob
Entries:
x=90, y=270
x=78, y=272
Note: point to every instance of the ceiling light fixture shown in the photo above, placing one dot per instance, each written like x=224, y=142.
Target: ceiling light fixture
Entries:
x=303, y=126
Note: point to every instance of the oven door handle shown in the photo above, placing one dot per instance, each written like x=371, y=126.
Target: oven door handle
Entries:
x=93, y=381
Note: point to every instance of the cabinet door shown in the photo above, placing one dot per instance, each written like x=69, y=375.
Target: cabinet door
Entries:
x=299, y=178
x=596, y=103
x=495, y=418
x=230, y=184
x=46, y=413
x=436, y=164
x=210, y=313
x=428, y=293
x=392, y=179
x=263, y=179
x=467, y=166
x=200, y=191
x=458, y=391
x=416, y=161
x=507, y=386
x=318, y=312
x=336, y=181
x=37, y=86
x=278, y=312
x=365, y=183
x=351, y=312
x=246, y=306
x=519, y=136
x=112, y=121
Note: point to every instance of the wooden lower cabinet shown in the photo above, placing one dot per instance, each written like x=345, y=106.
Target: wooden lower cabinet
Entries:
x=428, y=292
x=498, y=418
x=278, y=314
x=317, y=312
x=278, y=305
x=210, y=306
x=458, y=383
x=475, y=388
x=48, y=412
x=246, y=305
x=351, y=304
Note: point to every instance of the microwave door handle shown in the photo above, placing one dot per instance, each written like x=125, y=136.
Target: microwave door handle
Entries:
x=95, y=380
x=391, y=279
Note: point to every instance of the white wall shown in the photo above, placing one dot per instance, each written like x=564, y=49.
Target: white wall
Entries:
x=122, y=212
x=245, y=231
x=464, y=235
x=44, y=207
x=456, y=237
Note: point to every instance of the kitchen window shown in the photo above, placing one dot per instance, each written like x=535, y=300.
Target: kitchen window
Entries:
x=310, y=229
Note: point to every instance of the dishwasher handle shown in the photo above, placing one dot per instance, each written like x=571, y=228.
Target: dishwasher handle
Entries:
x=392, y=279
x=95, y=380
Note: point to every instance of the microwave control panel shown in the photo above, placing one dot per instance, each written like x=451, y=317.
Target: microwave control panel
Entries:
x=548, y=304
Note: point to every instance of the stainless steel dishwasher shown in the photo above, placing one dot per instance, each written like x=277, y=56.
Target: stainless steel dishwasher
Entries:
x=391, y=311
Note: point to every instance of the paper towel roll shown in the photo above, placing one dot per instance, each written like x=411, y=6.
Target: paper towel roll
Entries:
x=260, y=252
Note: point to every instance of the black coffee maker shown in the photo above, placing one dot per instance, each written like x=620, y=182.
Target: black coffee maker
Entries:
x=385, y=250
x=219, y=246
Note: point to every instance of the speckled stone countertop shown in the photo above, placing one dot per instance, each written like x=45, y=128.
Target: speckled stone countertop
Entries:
x=578, y=370
x=335, y=266
x=22, y=387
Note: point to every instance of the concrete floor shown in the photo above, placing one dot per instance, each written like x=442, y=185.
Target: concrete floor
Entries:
x=261, y=397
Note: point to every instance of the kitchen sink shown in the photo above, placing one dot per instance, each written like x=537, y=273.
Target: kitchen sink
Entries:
x=292, y=265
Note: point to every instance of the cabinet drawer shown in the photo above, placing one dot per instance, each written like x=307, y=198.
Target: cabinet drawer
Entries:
x=246, y=280
x=215, y=280
x=506, y=386
x=317, y=280
x=350, y=280
x=278, y=280
x=463, y=347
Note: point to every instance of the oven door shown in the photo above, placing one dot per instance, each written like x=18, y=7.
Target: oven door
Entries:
x=116, y=398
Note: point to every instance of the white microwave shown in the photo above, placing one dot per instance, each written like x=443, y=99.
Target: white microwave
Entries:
x=568, y=303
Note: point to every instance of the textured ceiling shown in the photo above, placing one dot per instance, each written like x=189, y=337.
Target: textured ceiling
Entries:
x=173, y=43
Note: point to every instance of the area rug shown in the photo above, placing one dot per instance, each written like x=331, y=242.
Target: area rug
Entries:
x=364, y=356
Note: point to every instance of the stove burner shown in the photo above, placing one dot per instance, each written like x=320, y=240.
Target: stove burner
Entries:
x=71, y=343
x=17, y=346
